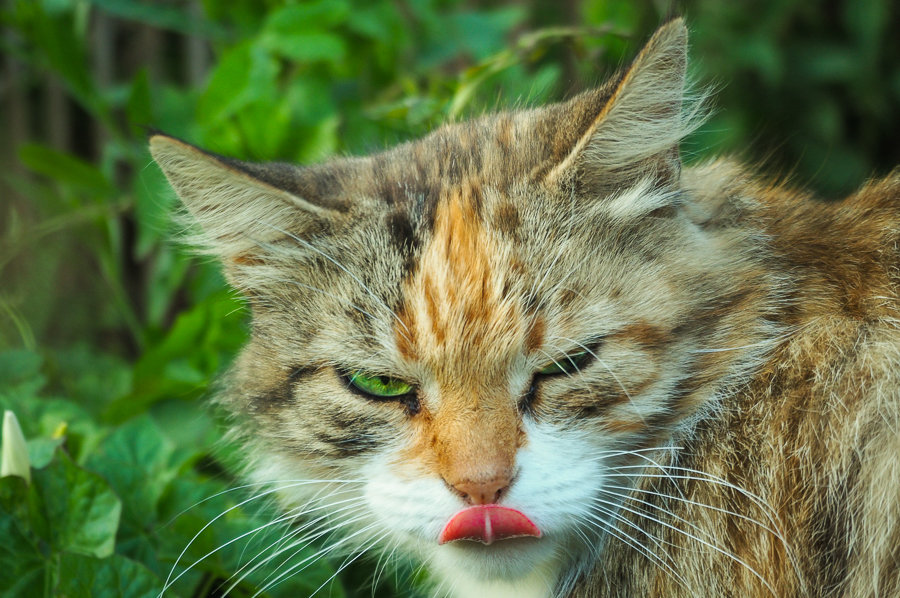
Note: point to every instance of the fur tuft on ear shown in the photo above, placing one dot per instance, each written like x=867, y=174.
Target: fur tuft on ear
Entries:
x=237, y=205
x=636, y=133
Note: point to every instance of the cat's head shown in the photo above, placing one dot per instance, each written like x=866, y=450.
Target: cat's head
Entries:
x=510, y=312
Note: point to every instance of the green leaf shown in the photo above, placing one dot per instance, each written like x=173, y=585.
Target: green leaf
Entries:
x=299, y=32
x=66, y=169
x=828, y=62
x=135, y=459
x=42, y=417
x=140, y=103
x=89, y=377
x=272, y=121
x=114, y=577
x=55, y=40
x=320, y=140
x=21, y=561
x=483, y=33
x=867, y=21
x=41, y=450
x=17, y=366
x=309, y=16
x=246, y=73
x=162, y=15
x=181, y=365
x=53, y=7
x=170, y=266
x=379, y=21
x=313, y=46
x=73, y=509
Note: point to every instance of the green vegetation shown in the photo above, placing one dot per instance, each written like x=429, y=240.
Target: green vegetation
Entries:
x=110, y=333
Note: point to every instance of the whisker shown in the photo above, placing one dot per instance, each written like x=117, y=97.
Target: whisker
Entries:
x=290, y=515
x=229, y=542
x=712, y=479
x=306, y=562
x=284, y=534
x=636, y=544
x=658, y=508
x=587, y=541
x=350, y=560
x=613, y=511
x=299, y=511
x=304, y=534
x=701, y=476
x=611, y=373
x=381, y=568
x=168, y=583
x=698, y=504
x=252, y=485
x=656, y=465
x=288, y=540
x=697, y=539
x=617, y=453
x=297, y=541
x=550, y=357
x=765, y=508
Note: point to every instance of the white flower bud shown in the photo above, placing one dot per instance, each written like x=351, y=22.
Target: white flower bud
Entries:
x=14, y=455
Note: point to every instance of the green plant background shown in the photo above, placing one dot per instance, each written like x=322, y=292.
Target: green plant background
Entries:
x=110, y=333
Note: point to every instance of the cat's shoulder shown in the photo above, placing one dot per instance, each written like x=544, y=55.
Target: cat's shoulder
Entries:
x=717, y=183
x=725, y=193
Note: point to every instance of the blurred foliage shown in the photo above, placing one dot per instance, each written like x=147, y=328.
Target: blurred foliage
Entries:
x=112, y=509
x=809, y=88
x=111, y=332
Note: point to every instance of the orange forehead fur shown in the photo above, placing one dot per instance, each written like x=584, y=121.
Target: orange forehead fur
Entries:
x=453, y=304
x=454, y=307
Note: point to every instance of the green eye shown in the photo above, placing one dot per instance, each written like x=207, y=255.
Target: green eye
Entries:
x=379, y=386
x=566, y=364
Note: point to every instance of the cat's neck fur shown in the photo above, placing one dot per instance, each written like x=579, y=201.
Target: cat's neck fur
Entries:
x=811, y=439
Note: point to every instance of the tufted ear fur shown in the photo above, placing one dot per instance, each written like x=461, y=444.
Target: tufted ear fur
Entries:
x=635, y=133
x=238, y=205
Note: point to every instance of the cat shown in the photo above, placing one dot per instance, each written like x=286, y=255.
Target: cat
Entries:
x=538, y=354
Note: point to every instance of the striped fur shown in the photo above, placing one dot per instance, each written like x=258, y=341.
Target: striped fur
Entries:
x=734, y=430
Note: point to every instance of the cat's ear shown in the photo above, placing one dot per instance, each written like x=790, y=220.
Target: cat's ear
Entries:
x=239, y=206
x=630, y=131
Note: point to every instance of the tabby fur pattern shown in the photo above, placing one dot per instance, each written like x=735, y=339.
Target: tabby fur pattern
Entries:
x=735, y=432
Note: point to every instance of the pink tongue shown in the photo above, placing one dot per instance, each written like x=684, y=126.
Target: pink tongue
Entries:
x=486, y=524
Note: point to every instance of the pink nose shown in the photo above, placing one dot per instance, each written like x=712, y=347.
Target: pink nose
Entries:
x=483, y=492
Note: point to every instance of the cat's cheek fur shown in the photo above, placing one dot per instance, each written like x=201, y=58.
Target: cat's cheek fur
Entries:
x=558, y=472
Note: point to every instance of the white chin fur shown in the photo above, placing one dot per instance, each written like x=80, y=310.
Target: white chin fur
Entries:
x=558, y=476
x=521, y=579
x=519, y=568
x=555, y=482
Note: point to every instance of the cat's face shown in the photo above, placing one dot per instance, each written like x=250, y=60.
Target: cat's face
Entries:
x=509, y=312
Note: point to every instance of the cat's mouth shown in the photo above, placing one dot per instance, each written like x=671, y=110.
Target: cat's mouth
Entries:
x=488, y=524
